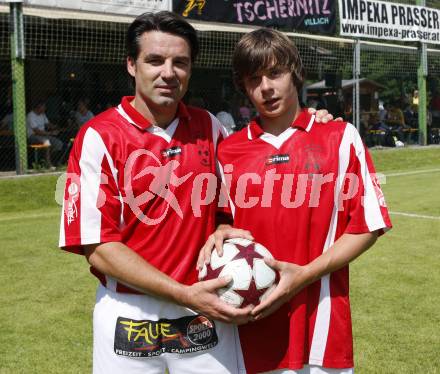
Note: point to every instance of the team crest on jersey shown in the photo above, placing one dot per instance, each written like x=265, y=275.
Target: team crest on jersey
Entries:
x=313, y=160
x=171, y=152
x=278, y=159
x=203, y=152
x=145, y=338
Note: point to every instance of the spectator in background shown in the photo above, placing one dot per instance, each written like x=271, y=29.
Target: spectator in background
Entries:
x=415, y=98
x=225, y=117
x=377, y=122
x=41, y=131
x=411, y=116
x=82, y=113
x=396, y=120
x=383, y=112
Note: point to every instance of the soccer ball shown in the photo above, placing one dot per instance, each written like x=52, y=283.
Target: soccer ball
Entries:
x=252, y=280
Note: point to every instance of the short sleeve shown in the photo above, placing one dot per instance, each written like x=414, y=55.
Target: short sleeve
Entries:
x=30, y=121
x=92, y=204
x=366, y=207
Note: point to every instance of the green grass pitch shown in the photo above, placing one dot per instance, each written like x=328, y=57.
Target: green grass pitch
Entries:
x=47, y=296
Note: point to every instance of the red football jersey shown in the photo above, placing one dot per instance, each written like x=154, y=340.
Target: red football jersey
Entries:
x=152, y=189
x=298, y=193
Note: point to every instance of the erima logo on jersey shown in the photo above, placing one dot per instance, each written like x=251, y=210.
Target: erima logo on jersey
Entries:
x=171, y=152
x=277, y=159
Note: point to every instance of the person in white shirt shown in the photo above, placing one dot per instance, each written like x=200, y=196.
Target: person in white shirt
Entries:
x=82, y=113
x=226, y=118
x=41, y=131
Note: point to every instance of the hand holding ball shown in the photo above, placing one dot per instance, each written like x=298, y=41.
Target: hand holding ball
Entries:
x=243, y=260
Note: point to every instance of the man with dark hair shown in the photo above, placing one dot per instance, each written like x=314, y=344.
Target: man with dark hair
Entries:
x=316, y=206
x=137, y=207
x=128, y=209
x=248, y=60
x=165, y=22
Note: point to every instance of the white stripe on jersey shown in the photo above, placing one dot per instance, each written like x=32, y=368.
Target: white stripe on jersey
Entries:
x=373, y=218
x=311, y=122
x=372, y=212
x=322, y=323
x=217, y=130
x=92, y=153
x=222, y=175
x=62, y=241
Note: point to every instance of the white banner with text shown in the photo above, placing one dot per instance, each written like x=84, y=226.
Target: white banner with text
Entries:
x=392, y=21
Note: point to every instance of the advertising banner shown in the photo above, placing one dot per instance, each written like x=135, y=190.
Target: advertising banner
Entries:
x=317, y=16
x=384, y=20
x=119, y=7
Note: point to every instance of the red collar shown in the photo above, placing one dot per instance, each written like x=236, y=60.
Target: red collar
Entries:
x=302, y=122
x=139, y=120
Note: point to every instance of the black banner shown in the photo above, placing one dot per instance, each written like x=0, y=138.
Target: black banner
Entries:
x=316, y=16
x=147, y=338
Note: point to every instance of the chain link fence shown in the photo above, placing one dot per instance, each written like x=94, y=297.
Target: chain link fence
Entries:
x=76, y=68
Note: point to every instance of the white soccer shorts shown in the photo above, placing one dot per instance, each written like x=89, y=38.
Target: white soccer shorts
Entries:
x=134, y=334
